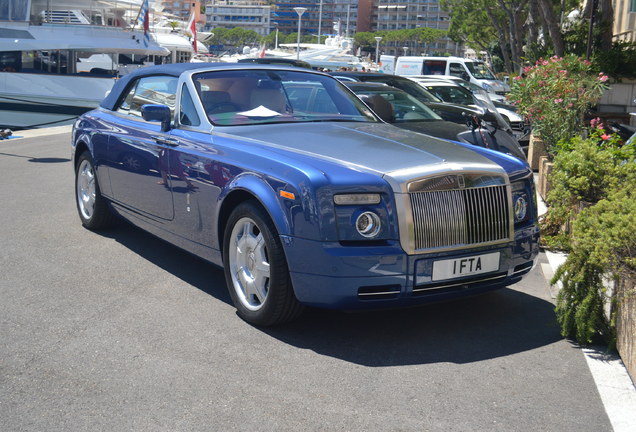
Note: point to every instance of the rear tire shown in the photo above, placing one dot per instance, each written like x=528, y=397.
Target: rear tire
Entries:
x=256, y=270
x=93, y=209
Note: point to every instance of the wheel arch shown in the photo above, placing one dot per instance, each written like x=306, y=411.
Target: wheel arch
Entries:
x=80, y=148
x=251, y=187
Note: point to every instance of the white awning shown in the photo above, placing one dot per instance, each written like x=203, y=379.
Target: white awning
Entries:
x=84, y=38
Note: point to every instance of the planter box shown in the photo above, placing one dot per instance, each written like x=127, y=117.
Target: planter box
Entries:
x=536, y=150
x=545, y=169
x=626, y=325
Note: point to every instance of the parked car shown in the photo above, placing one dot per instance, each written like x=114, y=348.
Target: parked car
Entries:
x=476, y=90
x=475, y=71
x=291, y=183
x=453, y=112
x=277, y=61
x=403, y=110
x=473, y=95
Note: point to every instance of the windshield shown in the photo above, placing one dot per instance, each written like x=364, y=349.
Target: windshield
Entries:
x=480, y=70
x=452, y=94
x=254, y=96
x=411, y=87
x=479, y=93
x=473, y=88
x=406, y=108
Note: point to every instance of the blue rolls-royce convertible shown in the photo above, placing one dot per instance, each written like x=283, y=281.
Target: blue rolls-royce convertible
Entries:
x=305, y=197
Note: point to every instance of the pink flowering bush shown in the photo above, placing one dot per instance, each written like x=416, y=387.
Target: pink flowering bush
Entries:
x=554, y=95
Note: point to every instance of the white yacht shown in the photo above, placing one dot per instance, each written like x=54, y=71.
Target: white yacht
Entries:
x=59, y=58
x=333, y=54
x=178, y=41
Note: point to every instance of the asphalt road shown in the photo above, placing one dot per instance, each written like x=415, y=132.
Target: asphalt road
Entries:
x=118, y=331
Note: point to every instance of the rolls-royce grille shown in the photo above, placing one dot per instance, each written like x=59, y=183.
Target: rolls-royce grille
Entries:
x=460, y=217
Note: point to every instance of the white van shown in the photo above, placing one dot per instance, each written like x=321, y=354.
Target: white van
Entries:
x=474, y=71
x=387, y=64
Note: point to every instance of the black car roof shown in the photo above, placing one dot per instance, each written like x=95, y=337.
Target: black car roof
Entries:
x=360, y=74
x=175, y=69
x=277, y=61
x=367, y=85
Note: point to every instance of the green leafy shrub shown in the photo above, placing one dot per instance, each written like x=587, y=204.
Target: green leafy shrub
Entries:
x=600, y=171
x=605, y=248
x=584, y=173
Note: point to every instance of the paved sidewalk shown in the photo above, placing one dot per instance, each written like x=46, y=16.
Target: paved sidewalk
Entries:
x=30, y=133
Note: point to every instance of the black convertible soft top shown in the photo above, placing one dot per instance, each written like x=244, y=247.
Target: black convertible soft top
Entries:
x=175, y=69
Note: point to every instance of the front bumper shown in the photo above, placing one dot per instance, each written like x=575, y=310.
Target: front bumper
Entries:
x=330, y=275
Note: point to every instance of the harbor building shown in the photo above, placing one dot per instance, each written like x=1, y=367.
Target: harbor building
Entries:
x=330, y=17
x=247, y=14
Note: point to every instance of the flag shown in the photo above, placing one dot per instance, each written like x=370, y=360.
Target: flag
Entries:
x=143, y=20
x=192, y=27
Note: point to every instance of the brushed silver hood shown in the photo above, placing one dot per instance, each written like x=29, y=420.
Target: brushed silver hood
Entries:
x=399, y=155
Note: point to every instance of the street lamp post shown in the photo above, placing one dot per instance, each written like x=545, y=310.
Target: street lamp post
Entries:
x=319, y=21
x=300, y=11
x=377, y=48
x=405, y=50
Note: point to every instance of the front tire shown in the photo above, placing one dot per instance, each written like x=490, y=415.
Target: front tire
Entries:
x=92, y=207
x=256, y=269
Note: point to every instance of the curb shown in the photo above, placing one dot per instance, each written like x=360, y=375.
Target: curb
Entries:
x=32, y=133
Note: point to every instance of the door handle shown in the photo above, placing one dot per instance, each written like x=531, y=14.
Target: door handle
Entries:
x=172, y=142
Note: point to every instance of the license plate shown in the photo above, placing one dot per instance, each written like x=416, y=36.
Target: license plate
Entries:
x=466, y=266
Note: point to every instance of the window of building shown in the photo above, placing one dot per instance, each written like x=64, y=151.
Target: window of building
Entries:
x=183, y=56
x=11, y=61
x=18, y=11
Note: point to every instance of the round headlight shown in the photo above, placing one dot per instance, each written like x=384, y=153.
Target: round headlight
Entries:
x=368, y=224
x=520, y=207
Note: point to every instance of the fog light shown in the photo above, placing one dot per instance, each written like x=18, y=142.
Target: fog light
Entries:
x=520, y=206
x=368, y=224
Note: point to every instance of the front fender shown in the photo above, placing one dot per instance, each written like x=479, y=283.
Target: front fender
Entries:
x=266, y=191
x=88, y=135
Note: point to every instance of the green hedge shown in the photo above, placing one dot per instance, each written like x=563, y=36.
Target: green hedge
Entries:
x=601, y=172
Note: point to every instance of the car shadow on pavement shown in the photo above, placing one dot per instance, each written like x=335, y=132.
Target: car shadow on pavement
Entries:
x=491, y=325
x=478, y=328
x=191, y=269
x=38, y=160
